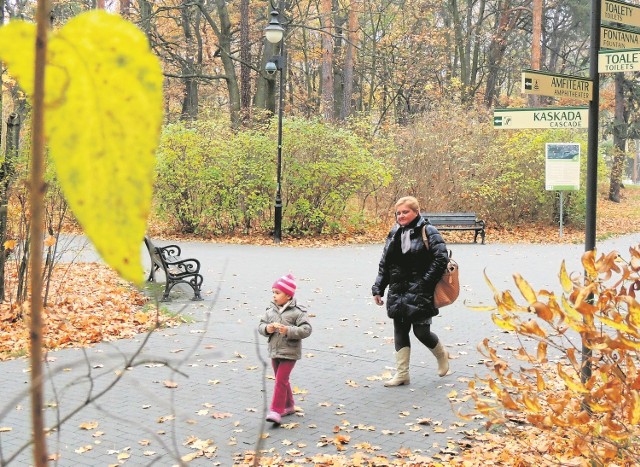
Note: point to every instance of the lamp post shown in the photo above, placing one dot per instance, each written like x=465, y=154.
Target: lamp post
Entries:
x=274, y=33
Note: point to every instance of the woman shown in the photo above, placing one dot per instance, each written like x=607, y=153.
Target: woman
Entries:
x=411, y=271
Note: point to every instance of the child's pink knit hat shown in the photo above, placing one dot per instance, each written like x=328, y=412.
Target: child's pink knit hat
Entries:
x=286, y=284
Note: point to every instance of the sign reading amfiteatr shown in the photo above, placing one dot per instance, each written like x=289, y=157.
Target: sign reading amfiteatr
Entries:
x=549, y=84
x=620, y=12
x=547, y=117
x=618, y=38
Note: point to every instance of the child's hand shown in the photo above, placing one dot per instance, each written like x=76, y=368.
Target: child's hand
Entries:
x=271, y=328
x=282, y=329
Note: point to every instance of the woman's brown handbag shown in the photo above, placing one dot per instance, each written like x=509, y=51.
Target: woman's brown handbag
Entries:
x=448, y=287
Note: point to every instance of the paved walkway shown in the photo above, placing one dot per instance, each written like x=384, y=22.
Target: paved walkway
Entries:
x=210, y=394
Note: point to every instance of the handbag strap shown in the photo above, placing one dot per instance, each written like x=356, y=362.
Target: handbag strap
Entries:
x=426, y=242
x=424, y=236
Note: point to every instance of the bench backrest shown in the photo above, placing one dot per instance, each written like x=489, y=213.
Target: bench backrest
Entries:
x=153, y=253
x=450, y=218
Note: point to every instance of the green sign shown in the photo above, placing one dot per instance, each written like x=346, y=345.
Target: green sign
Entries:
x=618, y=38
x=547, y=117
x=562, y=166
x=615, y=61
x=620, y=12
x=550, y=84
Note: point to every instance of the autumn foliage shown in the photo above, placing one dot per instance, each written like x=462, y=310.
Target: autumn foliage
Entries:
x=88, y=304
x=573, y=386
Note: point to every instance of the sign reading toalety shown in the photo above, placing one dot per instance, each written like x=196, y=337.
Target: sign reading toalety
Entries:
x=549, y=84
x=544, y=118
x=620, y=12
x=616, y=61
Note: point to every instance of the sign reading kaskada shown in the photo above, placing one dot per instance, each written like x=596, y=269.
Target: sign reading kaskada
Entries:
x=549, y=84
x=547, y=117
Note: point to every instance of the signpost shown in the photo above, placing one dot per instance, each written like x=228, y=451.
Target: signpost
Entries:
x=618, y=38
x=547, y=117
x=550, y=84
x=562, y=169
x=620, y=12
x=615, y=61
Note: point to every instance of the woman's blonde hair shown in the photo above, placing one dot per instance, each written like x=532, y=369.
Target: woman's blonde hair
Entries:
x=410, y=201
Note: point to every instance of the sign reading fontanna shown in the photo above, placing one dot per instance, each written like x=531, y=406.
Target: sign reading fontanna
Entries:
x=618, y=38
x=562, y=166
x=615, y=61
x=547, y=117
x=549, y=84
x=620, y=12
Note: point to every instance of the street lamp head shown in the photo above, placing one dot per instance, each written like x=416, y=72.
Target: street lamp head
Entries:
x=271, y=68
x=274, y=31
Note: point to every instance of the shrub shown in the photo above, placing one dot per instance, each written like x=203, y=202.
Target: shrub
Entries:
x=324, y=169
x=587, y=404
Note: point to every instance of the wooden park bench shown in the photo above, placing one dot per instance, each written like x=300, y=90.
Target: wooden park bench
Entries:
x=456, y=221
x=177, y=270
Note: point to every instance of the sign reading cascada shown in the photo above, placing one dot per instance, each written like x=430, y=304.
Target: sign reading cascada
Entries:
x=547, y=117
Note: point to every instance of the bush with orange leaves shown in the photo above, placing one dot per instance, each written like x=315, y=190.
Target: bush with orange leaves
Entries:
x=577, y=389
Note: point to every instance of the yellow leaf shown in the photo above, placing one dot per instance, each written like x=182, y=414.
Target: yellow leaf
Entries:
x=505, y=324
x=542, y=352
x=89, y=425
x=634, y=309
x=50, y=241
x=575, y=386
x=9, y=244
x=565, y=280
x=531, y=403
x=103, y=100
x=620, y=326
x=525, y=289
x=634, y=408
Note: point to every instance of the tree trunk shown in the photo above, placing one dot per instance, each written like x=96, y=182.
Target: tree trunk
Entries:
x=7, y=172
x=224, y=35
x=349, y=59
x=190, y=91
x=245, y=61
x=536, y=45
x=507, y=19
x=619, y=140
x=327, y=101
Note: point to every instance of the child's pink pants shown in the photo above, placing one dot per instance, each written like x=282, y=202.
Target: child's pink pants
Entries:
x=282, y=394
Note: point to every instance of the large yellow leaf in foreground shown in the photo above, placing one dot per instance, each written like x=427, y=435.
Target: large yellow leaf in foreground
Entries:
x=103, y=114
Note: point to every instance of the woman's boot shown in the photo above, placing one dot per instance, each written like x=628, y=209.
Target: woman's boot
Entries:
x=402, y=372
x=442, y=356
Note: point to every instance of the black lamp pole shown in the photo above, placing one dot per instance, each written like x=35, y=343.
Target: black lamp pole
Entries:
x=275, y=34
x=277, y=232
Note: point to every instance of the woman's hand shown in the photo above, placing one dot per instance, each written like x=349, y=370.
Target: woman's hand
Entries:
x=378, y=300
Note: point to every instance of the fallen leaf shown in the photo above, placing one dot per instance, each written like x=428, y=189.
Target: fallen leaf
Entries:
x=89, y=425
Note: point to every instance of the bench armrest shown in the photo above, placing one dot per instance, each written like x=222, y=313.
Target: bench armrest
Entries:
x=184, y=266
x=169, y=250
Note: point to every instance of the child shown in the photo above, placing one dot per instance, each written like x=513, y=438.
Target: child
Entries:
x=285, y=324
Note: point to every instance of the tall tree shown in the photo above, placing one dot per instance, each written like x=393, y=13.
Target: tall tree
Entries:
x=245, y=61
x=327, y=90
x=349, y=59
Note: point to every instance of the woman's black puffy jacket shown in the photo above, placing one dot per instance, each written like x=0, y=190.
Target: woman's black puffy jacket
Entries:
x=412, y=276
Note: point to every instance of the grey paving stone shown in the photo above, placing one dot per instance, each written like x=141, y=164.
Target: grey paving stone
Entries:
x=218, y=363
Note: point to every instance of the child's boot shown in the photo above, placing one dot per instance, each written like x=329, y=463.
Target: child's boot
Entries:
x=402, y=372
x=274, y=417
